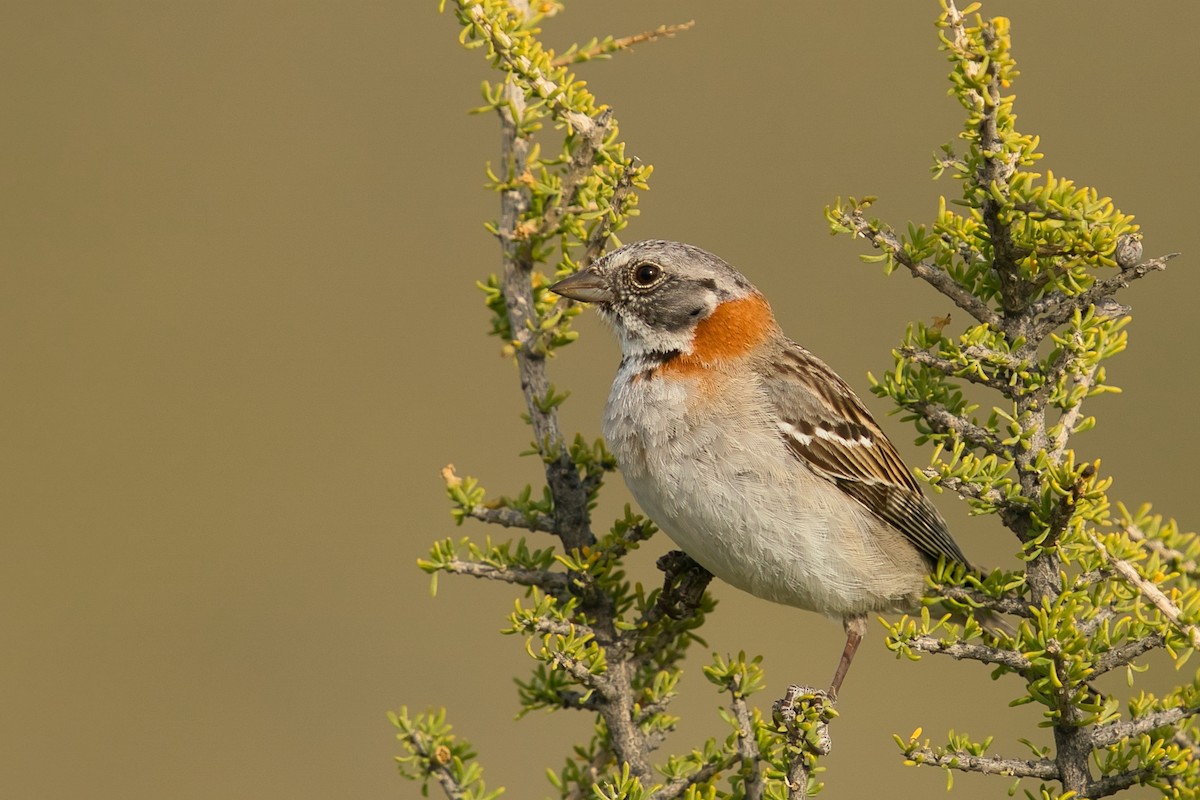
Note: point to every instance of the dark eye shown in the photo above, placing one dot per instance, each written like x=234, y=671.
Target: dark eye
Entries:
x=646, y=275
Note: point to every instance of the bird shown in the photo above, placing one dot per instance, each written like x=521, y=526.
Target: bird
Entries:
x=748, y=451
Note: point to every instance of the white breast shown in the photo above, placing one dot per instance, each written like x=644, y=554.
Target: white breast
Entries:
x=726, y=489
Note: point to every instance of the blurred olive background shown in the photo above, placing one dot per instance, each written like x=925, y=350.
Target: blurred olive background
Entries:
x=240, y=336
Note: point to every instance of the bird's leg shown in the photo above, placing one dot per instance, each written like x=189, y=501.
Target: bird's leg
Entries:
x=855, y=628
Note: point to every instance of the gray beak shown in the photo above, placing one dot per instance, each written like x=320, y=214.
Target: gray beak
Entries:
x=586, y=287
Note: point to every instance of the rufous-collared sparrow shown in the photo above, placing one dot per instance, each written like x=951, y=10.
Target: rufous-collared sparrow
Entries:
x=748, y=451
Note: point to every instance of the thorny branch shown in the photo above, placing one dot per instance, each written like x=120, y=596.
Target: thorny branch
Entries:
x=1044, y=769
x=571, y=501
x=993, y=170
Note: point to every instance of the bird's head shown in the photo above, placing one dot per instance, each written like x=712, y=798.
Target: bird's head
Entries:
x=665, y=297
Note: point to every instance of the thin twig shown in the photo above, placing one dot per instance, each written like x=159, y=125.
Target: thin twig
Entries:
x=572, y=517
x=679, y=786
x=1186, y=742
x=1055, y=309
x=552, y=583
x=1100, y=616
x=970, y=651
x=935, y=276
x=1175, y=557
x=1067, y=422
x=554, y=627
x=590, y=775
x=582, y=162
x=752, y=788
x=598, y=238
x=943, y=420
x=580, y=672
x=1005, y=605
x=1120, y=656
x=512, y=518
x=437, y=764
x=577, y=701
x=1149, y=591
x=1111, y=784
x=623, y=43
x=1104, y=735
x=988, y=765
x=965, y=488
x=540, y=85
x=956, y=370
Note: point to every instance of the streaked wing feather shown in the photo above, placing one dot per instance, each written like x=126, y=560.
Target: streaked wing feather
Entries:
x=829, y=428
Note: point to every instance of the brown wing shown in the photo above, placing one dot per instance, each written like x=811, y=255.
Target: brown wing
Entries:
x=829, y=429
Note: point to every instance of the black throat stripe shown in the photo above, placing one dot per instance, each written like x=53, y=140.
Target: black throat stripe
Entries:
x=645, y=364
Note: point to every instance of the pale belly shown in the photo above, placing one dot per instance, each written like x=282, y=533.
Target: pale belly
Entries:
x=731, y=495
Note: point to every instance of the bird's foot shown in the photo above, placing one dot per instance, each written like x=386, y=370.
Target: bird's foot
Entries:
x=684, y=582
x=804, y=714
